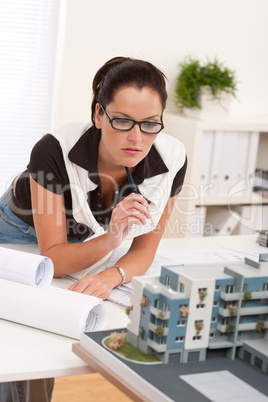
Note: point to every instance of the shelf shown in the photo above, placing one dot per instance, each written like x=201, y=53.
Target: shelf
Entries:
x=246, y=199
x=207, y=146
x=231, y=122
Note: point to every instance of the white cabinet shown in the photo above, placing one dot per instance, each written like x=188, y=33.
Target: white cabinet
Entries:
x=222, y=158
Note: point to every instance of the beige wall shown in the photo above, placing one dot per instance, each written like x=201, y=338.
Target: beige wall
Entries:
x=163, y=32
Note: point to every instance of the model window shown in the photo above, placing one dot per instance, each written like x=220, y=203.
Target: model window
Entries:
x=156, y=303
x=247, y=356
x=200, y=305
x=258, y=362
x=168, y=281
x=179, y=323
x=179, y=339
x=265, y=286
x=217, y=287
x=197, y=337
x=215, y=303
x=166, y=306
x=230, y=289
x=153, y=319
x=181, y=287
x=163, y=340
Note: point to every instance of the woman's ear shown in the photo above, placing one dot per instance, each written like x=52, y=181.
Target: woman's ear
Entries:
x=97, y=116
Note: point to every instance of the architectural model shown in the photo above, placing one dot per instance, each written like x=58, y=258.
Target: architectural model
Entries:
x=192, y=311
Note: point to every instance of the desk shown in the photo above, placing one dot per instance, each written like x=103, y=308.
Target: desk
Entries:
x=28, y=353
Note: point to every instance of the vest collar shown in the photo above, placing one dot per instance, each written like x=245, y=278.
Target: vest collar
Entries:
x=85, y=154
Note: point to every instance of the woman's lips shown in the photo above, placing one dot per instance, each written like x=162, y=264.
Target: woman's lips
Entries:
x=131, y=151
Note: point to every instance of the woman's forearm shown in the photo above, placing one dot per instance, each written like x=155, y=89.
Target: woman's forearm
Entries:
x=136, y=262
x=74, y=257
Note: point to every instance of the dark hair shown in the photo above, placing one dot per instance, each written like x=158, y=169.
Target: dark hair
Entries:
x=122, y=72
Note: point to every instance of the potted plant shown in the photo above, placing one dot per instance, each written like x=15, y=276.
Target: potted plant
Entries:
x=248, y=295
x=159, y=331
x=205, y=89
x=128, y=309
x=199, y=325
x=161, y=314
x=260, y=325
x=202, y=294
x=230, y=327
x=232, y=310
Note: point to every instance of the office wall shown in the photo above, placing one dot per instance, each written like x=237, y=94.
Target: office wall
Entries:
x=163, y=32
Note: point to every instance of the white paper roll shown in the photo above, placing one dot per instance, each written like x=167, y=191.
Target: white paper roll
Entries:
x=27, y=268
x=53, y=309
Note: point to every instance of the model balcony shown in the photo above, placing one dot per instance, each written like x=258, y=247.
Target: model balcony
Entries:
x=153, y=327
x=230, y=296
x=157, y=346
x=254, y=310
x=249, y=326
x=221, y=328
x=163, y=315
x=262, y=294
x=257, y=310
x=224, y=312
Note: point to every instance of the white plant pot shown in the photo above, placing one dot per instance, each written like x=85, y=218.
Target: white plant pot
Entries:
x=211, y=108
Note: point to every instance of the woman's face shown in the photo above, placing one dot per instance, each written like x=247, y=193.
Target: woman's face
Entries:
x=127, y=148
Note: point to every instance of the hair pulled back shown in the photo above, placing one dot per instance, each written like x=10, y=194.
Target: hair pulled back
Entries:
x=122, y=72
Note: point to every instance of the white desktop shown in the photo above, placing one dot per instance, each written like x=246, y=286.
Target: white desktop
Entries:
x=29, y=353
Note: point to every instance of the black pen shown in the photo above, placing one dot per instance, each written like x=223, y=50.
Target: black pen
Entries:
x=131, y=181
x=133, y=185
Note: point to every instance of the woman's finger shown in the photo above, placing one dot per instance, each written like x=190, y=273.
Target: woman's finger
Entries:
x=132, y=206
x=91, y=285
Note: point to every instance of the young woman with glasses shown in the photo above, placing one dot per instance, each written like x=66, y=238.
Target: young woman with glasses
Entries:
x=115, y=178
x=76, y=185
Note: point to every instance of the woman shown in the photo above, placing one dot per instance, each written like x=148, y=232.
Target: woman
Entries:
x=76, y=185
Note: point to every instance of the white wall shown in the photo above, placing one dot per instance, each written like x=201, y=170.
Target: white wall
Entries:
x=198, y=314
x=163, y=32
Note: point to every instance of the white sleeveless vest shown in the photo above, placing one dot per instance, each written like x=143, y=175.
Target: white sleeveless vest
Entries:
x=155, y=189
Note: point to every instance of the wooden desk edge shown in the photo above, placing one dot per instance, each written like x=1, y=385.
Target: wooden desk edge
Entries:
x=97, y=366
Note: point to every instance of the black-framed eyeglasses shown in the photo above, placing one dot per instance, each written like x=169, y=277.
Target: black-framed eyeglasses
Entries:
x=122, y=124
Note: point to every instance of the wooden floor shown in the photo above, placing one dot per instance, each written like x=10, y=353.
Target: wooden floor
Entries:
x=86, y=388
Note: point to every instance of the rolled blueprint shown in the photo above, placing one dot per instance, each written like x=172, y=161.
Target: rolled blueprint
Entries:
x=30, y=269
x=53, y=309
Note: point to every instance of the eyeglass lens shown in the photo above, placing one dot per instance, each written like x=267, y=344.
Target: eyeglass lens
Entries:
x=145, y=126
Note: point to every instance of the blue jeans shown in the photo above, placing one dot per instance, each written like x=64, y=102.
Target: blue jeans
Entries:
x=12, y=229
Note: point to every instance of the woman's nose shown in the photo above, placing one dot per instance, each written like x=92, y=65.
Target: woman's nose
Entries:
x=135, y=134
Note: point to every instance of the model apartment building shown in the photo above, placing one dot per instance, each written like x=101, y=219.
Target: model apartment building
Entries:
x=192, y=311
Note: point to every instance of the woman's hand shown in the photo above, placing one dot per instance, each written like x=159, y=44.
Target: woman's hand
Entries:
x=133, y=210
x=99, y=285
x=92, y=285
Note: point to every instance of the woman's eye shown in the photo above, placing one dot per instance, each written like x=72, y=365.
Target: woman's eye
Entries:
x=121, y=122
x=149, y=124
